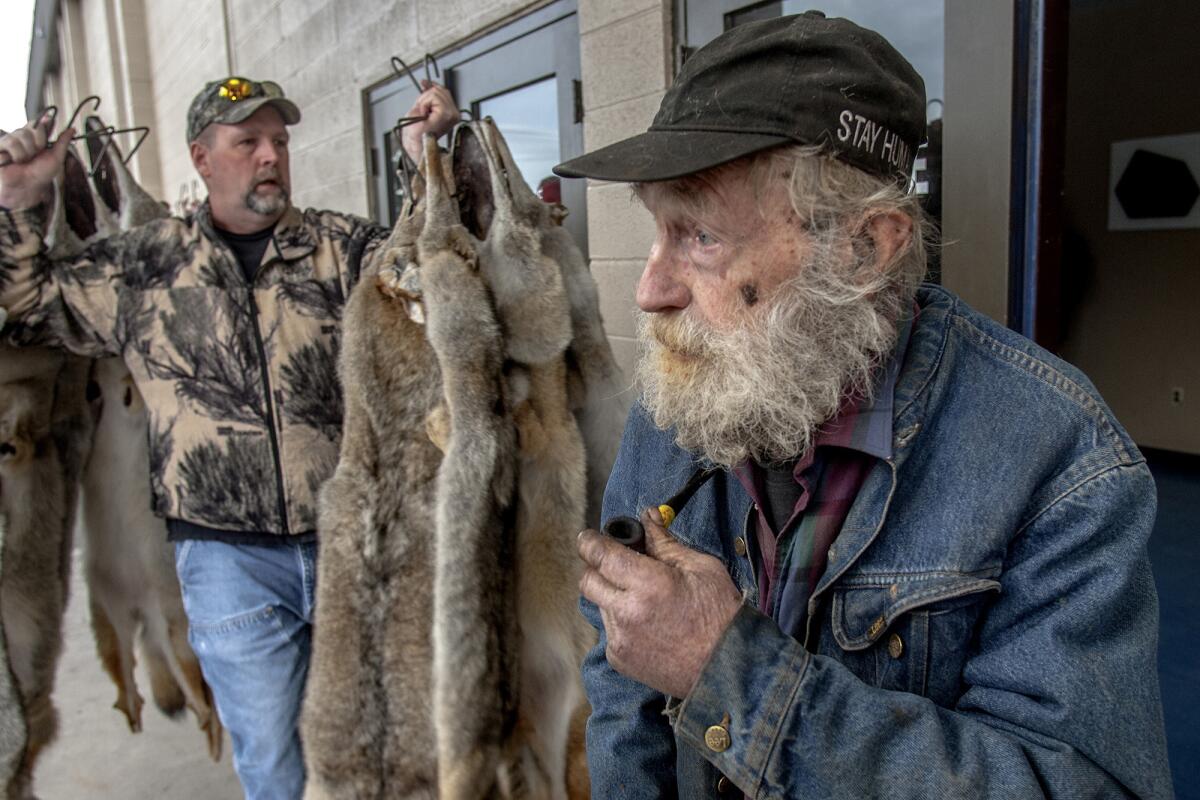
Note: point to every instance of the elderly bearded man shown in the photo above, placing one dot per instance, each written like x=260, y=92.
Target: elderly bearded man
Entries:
x=921, y=571
x=228, y=321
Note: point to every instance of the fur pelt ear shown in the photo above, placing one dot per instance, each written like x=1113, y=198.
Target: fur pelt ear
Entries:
x=114, y=186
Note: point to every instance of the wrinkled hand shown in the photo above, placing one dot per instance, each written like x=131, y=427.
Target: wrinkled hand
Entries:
x=440, y=114
x=663, y=612
x=29, y=168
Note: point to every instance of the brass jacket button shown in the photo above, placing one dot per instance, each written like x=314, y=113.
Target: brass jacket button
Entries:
x=739, y=546
x=724, y=785
x=895, y=646
x=716, y=738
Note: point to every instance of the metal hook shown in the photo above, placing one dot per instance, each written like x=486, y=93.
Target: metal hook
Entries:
x=51, y=117
x=142, y=131
x=110, y=133
x=91, y=98
x=431, y=59
x=402, y=70
x=403, y=170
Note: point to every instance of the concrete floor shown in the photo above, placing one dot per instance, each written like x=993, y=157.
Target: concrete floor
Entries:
x=96, y=757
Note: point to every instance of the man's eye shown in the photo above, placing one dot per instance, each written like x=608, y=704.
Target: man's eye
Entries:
x=704, y=238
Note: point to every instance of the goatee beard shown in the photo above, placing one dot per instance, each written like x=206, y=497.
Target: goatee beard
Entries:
x=763, y=390
x=267, y=204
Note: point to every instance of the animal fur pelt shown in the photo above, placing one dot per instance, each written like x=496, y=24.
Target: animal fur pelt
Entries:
x=133, y=590
x=46, y=430
x=45, y=434
x=551, y=465
x=367, y=717
x=447, y=570
x=475, y=637
x=598, y=394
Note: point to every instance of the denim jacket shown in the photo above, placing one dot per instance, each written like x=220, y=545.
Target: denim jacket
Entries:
x=986, y=625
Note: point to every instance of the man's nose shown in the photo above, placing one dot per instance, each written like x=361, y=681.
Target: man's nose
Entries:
x=267, y=153
x=659, y=288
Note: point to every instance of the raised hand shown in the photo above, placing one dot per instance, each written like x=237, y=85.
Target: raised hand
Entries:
x=439, y=112
x=29, y=168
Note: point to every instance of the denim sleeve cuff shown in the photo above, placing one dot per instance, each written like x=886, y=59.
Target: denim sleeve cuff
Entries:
x=747, y=688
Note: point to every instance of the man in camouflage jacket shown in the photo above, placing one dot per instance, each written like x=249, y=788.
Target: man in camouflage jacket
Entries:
x=228, y=321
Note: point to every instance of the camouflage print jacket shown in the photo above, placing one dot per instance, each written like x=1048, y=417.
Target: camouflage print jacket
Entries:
x=240, y=382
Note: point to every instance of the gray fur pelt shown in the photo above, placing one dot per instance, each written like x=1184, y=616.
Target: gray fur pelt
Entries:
x=599, y=397
x=367, y=719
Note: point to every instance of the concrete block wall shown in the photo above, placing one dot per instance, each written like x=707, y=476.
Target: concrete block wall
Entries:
x=131, y=58
x=625, y=49
x=185, y=47
x=325, y=54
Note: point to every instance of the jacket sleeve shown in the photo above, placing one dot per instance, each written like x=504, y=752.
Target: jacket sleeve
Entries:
x=70, y=303
x=362, y=249
x=1060, y=699
x=630, y=746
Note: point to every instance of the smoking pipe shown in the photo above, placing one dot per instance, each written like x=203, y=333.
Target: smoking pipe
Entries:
x=630, y=532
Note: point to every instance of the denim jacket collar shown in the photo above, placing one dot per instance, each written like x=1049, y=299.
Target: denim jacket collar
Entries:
x=865, y=519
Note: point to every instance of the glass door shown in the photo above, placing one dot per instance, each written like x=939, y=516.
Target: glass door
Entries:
x=526, y=77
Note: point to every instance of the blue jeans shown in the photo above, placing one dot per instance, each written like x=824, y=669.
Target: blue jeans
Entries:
x=250, y=613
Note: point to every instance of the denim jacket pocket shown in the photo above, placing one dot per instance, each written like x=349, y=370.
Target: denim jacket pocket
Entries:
x=911, y=635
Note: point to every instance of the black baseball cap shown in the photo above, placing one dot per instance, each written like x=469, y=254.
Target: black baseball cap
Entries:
x=803, y=79
x=233, y=100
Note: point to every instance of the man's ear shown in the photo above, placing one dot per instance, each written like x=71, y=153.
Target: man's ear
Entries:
x=200, y=159
x=890, y=233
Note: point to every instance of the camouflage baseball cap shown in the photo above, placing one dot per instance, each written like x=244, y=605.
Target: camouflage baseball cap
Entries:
x=234, y=99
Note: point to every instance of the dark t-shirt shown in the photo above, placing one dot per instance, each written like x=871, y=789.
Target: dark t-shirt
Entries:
x=781, y=491
x=249, y=248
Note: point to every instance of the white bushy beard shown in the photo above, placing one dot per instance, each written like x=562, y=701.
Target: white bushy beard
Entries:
x=762, y=390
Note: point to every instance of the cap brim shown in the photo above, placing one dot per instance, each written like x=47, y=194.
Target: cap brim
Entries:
x=663, y=155
x=241, y=111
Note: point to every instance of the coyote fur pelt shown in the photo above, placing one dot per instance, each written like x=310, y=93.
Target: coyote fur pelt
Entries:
x=45, y=434
x=448, y=581
x=130, y=565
